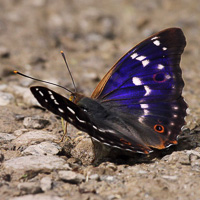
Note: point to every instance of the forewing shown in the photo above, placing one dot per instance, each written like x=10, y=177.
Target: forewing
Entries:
x=98, y=128
x=62, y=107
x=149, y=72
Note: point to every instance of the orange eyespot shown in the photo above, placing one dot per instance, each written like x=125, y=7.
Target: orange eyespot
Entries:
x=125, y=141
x=159, y=128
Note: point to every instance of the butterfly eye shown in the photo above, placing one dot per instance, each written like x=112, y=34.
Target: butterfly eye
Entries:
x=160, y=77
x=159, y=128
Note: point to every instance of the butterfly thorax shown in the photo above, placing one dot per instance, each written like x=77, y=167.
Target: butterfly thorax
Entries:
x=92, y=107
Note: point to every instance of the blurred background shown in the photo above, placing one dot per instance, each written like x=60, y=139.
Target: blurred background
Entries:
x=93, y=35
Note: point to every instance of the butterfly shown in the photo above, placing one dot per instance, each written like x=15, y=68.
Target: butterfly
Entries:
x=138, y=105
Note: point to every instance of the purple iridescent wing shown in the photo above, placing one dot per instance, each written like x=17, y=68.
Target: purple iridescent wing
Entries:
x=145, y=88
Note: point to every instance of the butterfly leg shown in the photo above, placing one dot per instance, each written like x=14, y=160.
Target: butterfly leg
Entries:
x=64, y=128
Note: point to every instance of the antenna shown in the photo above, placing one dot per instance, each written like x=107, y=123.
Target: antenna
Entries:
x=16, y=72
x=63, y=55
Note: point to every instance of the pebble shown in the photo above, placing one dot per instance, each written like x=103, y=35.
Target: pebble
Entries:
x=71, y=177
x=44, y=148
x=37, y=197
x=107, y=178
x=46, y=183
x=6, y=137
x=94, y=177
x=30, y=187
x=35, y=122
x=84, y=151
x=4, y=52
x=34, y=163
x=26, y=94
x=170, y=178
x=32, y=137
x=6, y=98
x=3, y=87
x=20, y=132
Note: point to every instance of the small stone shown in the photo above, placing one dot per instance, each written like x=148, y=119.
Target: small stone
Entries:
x=6, y=98
x=46, y=184
x=94, y=177
x=30, y=187
x=107, y=178
x=26, y=94
x=32, y=137
x=3, y=87
x=19, y=117
x=20, y=132
x=184, y=159
x=84, y=151
x=141, y=172
x=34, y=163
x=35, y=122
x=6, y=137
x=71, y=177
x=37, y=197
x=170, y=178
x=4, y=52
x=44, y=148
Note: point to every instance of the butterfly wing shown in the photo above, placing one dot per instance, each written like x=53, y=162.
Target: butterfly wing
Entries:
x=62, y=107
x=146, y=85
x=89, y=116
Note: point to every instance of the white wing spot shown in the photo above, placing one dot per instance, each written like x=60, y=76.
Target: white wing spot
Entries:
x=148, y=90
x=82, y=121
x=167, y=76
x=46, y=100
x=106, y=144
x=140, y=58
x=136, y=81
x=116, y=147
x=164, y=48
x=36, y=89
x=146, y=112
x=56, y=102
x=41, y=93
x=61, y=110
x=161, y=66
x=141, y=119
x=175, y=107
x=175, y=116
x=94, y=127
x=95, y=139
x=102, y=139
x=154, y=38
x=50, y=92
x=156, y=42
x=133, y=56
x=70, y=119
x=145, y=63
x=101, y=130
x=70, y=110
x=144, y=105
x=52, y=97
x=172, y=123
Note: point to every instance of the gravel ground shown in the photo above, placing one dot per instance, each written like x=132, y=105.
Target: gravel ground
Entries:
x=94, y=35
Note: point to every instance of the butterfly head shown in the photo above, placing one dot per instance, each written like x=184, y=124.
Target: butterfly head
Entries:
x=75, y=97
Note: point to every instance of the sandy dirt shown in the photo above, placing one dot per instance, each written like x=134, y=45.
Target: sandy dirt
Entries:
x=94, y=35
